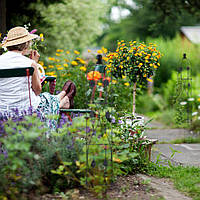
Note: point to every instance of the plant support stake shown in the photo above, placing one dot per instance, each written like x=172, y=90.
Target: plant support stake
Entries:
x=134, y=93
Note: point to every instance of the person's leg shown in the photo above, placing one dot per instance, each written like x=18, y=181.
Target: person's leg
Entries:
x=64, y=103
x=61, y=95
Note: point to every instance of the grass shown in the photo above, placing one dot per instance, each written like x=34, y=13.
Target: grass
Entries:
x=187, y=140
x=185, y=179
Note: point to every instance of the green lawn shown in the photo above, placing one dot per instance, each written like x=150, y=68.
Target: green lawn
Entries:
x=185, y=179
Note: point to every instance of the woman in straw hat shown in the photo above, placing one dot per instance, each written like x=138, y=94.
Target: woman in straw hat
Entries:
x=14, y=92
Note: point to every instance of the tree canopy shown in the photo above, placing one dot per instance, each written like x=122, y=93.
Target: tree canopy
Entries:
x=151, y=18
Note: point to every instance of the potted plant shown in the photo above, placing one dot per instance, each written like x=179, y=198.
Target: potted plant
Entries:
x=134, y=60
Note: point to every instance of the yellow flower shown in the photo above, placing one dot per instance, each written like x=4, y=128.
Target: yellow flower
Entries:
x=100, y=84
x=41, y=63
x=76, y=52
x=42, y=37
x=50, y=58
x=60, y=68
x=58, y=65
x=144, y=75
x=151, y=65
x=67, y=52
x=155, y=66
x=117, y=160
x=57, y=60
x=57, y=54
x=66, y=60
x=74, y=63
x=65, y=65
x=59, y=50
x=50, y=66
x=198, y=99
x=127, y=84
x=123, y=76
x=89, y=51
x=114, y=81
x=82, y=61
x=150, y=80
x=44, y=67
x=131, y=51
x=128, y=58
x=104, y=50
x=78, y=163
x=0, y=35
x=100, y=51
x=83, y=68
x=158, y=64
x=105, y=59
x=121, y=66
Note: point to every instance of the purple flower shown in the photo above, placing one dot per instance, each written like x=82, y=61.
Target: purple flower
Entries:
x=120, y=122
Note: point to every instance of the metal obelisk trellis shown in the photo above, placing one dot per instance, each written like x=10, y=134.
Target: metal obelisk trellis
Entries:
x=99, y=96
x=183, y=91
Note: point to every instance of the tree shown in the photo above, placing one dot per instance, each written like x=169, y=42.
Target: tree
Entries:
x=18, y=13
x=72, y=24
x=147, y=20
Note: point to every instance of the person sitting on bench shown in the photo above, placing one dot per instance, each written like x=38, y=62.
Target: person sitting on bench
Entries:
x=14, y=92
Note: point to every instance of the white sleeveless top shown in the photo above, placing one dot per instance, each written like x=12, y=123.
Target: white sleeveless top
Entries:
x=14, y=92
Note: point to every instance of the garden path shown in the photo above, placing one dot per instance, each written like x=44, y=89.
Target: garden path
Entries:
x=187, y=154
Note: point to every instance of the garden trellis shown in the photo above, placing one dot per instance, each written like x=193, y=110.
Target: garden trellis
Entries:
x=183, y=92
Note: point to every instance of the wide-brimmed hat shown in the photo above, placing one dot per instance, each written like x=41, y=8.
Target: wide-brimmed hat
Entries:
x=18, y=35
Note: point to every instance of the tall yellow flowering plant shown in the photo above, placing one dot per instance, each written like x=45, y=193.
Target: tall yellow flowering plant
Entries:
x=136, y=61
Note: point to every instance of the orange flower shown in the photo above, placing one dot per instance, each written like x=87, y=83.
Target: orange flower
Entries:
x=94, y=75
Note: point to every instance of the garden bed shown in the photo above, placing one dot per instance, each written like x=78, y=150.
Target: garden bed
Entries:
x=125, y=187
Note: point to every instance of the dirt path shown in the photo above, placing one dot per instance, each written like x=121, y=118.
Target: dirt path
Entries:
x=164, y=188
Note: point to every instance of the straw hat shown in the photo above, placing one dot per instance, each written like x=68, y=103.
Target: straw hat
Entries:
x=18, y=35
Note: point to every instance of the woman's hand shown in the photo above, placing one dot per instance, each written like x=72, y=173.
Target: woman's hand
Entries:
x=34, y=55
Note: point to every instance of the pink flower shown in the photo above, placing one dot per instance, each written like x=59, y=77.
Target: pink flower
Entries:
x=33, y=31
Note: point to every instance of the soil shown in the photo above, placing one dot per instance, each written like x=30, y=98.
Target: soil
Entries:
x=131, y=187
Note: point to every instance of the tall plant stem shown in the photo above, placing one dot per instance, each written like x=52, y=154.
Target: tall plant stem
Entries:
x=134, y=94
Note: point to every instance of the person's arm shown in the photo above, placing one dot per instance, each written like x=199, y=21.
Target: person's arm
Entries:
x=36, y=84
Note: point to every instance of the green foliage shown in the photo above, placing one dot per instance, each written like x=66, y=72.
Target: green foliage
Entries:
x=29, y=154
x=146, y=19
x=72, y=24
x=172, y=58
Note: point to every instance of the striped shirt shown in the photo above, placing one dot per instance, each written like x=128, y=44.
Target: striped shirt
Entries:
x=14, y=92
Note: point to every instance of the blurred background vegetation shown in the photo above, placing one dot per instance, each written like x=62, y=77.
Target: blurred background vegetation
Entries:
x=74, y=24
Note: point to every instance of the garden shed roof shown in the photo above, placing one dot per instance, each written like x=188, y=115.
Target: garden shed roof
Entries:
x=192, y=33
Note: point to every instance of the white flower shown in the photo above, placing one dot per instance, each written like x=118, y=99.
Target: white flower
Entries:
x=198, y=118
x=183, y=103
x=194, y=113
x=191, y=99
x=198, y=106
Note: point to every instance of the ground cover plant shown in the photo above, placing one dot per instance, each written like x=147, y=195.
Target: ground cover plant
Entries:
x=35, y=160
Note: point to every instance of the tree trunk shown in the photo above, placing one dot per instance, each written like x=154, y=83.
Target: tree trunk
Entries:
x=134, y=94
x=2, y=18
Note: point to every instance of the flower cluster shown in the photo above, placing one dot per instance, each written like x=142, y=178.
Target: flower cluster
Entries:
x=136, y=61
